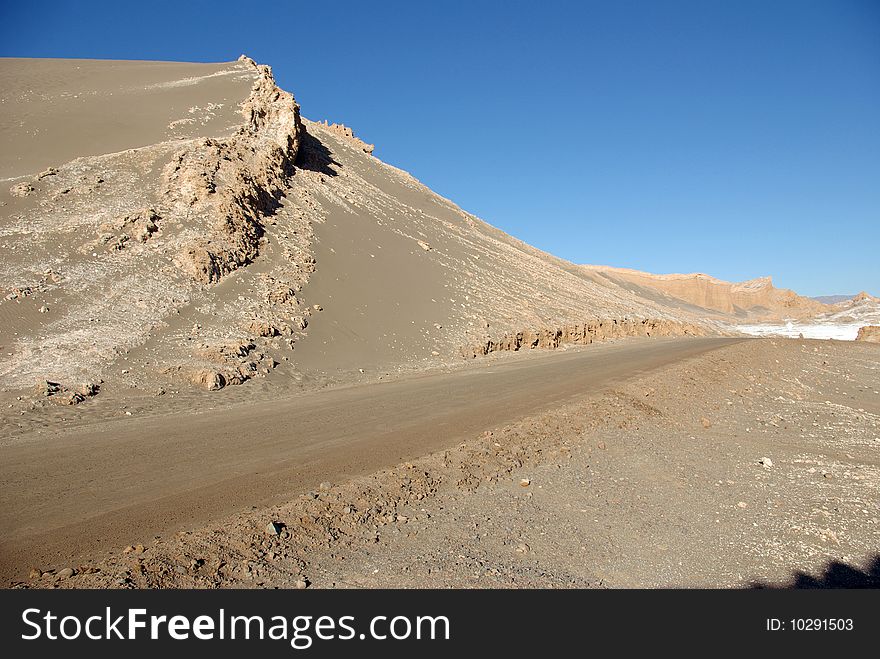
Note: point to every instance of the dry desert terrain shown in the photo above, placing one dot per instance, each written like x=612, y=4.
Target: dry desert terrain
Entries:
x=239, y=350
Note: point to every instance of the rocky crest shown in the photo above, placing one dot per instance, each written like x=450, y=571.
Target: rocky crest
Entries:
x=348, y=134
x=227, y=186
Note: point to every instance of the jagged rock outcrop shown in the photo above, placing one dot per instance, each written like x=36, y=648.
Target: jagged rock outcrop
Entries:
x=219, y=364
x=583, y=334
x=65, y=395
x=227, y=186
x=869, y=334
x=344, y=131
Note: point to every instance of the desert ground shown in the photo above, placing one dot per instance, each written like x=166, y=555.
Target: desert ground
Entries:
x=239, y=350
x=733, y=463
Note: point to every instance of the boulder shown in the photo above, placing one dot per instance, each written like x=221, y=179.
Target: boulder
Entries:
x=869, y=334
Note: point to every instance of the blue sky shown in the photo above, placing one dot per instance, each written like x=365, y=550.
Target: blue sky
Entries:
x=739, y=138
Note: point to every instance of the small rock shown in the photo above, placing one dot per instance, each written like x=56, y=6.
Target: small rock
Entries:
x=89, y=389
x=522, y=548
x=525, y=482
x=317, y=307
x=21, y=190
x=827, y=475
x=66, y=573
x=44, y=309
x=274, y=528
x=325, y=485
x=742, y=504
x=48, y=388
x=767, y=463
x=601, y=445
x=301, y=584
x=35, y=573
x=705, y=422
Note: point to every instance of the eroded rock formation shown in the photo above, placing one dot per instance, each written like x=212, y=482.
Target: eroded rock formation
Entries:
x=229, y=185
x=344, y=131
x=583, y=334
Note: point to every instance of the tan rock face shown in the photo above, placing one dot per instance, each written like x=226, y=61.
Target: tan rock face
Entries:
x=869, y=334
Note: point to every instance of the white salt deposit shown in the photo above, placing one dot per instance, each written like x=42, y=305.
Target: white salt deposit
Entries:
x=839, y=331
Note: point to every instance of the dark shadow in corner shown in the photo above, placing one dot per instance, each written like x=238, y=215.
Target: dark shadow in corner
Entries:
x=835, y=575
x=314, y=156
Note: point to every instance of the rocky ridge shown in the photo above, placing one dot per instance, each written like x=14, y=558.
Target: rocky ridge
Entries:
x=756, y=299
x=225, y=187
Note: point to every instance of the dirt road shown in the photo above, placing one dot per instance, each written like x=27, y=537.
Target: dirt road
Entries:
x=87, y=491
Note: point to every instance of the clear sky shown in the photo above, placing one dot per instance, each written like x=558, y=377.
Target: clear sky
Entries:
x=739, y=138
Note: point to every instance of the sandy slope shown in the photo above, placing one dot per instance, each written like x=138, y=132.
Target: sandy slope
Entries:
x=57, y=110
x=402, y=273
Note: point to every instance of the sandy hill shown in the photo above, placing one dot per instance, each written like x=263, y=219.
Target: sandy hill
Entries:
x=166, y=224
x=754, y=300
x=861, y=309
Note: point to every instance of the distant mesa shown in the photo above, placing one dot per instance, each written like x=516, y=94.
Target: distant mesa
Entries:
x=755, y=299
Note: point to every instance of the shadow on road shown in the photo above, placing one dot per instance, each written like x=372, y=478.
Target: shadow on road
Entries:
x=835, y=575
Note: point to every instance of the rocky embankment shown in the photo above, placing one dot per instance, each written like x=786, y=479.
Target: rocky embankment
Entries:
x=583, y=334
